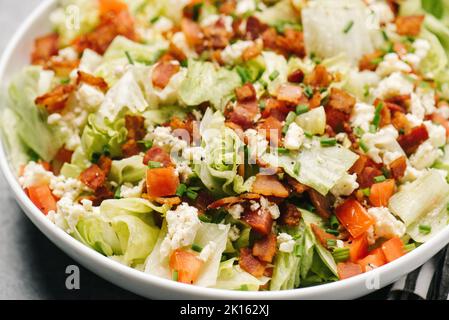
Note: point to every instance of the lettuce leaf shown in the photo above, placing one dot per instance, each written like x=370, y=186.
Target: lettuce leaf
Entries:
x=282, y=11
x=232, y=277
x=129, y=169
x=206, y=83
x=32, y=128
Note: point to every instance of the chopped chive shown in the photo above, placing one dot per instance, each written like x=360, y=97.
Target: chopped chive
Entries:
x=205, y=218
x=65, y=81
x=175, y=275
x=302, y=108
x=262, y=105
x=333, y=232
x=155, y=19
x=377, y=115
x=196, y=11
x=333, y=222
x=184, y=63
x=118, y=192
x=372, y=128
x=288, y=121
x=192, y=194
x=363, y=146
x=282, y=150
x=274, y=75
x=146, y=143
x=182, y=188
x=409, y=247
x=196, y=248
x=243, y=73
x=296, y=168
x=348, y=27
x=331, y=243
x=359, y=132
x=244, y=287
x=341, y=254
x=128, y=56
x=425, y=229
x=380, y=178
x=366, y=90
x=308, y=135
x=366, y=192
x=308, y=91
x=385, y=36
x=376, y=61
x=328, y=142
x=154, y=164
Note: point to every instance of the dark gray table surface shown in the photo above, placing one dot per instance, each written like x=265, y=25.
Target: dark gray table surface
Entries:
x=31, y=267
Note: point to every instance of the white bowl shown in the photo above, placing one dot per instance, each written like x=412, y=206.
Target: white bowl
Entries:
x=15, y=57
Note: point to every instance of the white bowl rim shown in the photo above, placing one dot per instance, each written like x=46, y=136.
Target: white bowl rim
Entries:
x=392, y=271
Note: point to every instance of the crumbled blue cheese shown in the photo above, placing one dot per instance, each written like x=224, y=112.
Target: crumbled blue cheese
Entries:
x=182, y=226
x=163, y=137
x=362, y=116
x=386, y=225
x=286, y=242
x=234, y=233
x=421, y=50
x=45, y=81
x=236, y=211
x=382, y=142
x=180, y=41
x=34, y=174
x=245, y=6
x=425, y=155
x=294, y=137
x=391, y=64
x=381, y=11
x=232, y=54
x=257, y=144
x=411, y=173
x=89, y=97
x=345, y=185
x=271, y=207
x=437, y=134
x=128, y=190
x=396, y=84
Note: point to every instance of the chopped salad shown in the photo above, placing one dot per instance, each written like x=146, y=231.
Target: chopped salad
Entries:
x=238, y=144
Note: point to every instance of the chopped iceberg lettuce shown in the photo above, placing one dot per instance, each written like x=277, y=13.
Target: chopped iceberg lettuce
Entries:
x=232, y=277
x=130, y=169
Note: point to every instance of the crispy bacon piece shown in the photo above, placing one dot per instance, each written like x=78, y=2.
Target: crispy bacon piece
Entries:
x=368, y=61
x=216, y=36
x=398, y=167
x=130, y=148
x=359, y=165
x=290, y=93
x=296, y=76
x=135, y=126
x=315, y=101
x=55, y=100
x=366, y=178
x=292, y=42
x=295, y=42
x=245, y=93
x=176, y=52
x=44, y=48
x=254, y=28
x=62, y=68
x=400, y=122
x=93, y=177
x=269, y=186
x=252, y=52
x=341, y=100
x=319, y=78
x=298, y=187
x=227, y=7
x=290, y=215
x=321, y=203
x=89, y=79
x=105, y=164
x=322, y=235
x=273, y=129
x=336, y=119
x=64, y=155
x=171, y=201
x=101, y=194
x=412, y=140
x=409, y=25
x=251, y=264
x=163, y=72
x=385, y=116
x=244, y=113
x=228, y=201
x=260, y=220
x=158, y=155
x=193, y=33
x=203, y=200
x=265, y=248
x=112, y=24
x=277, y=109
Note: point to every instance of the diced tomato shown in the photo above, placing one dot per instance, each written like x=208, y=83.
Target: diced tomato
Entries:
x=265, y=248
x=46, y=165
x=290, y=93
x=93, y=177
x=163, y=72
x=381, y=193
x=354, y=217
x=115, y=6
x=375, y=259
x=186, y=264
x=411, y=141
x=398, y=167
x=158, y=155
x=251, y=264
x=260, y=220
x=358, y=248
x=42, y=198
x=348, y=269
x=322, y=235
x=359, y=165
x=393, y=249
x=162, y=182
x=269, y=186
x=64, y=155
